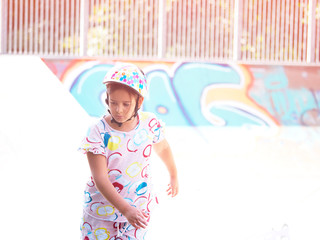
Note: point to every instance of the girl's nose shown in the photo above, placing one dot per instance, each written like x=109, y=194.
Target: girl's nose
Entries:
x=119, y=109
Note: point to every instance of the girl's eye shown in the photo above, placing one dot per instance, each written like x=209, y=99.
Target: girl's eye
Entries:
x=126, y=104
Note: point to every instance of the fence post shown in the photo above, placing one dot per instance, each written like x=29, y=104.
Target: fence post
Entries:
x=311, y=31
x=3, y=26
x=84, y=18
x=161, y=29
x=237, y=30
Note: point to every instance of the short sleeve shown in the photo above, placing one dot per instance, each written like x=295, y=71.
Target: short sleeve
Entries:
x=93, y=142
x=158, y=128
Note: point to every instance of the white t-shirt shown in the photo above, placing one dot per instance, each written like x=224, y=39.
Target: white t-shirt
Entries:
x=128, y=162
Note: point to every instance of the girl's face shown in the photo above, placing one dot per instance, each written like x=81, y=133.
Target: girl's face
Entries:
x=121, y=104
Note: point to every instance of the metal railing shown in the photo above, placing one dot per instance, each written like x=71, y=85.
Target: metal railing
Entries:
x=250, y=31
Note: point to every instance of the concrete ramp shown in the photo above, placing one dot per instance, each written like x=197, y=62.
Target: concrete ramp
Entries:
x=242, y=183
x=41, y=173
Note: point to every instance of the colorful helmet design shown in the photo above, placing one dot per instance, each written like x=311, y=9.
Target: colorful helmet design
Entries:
x=129, y=75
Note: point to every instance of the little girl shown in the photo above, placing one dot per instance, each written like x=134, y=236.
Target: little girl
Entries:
x=119, y=196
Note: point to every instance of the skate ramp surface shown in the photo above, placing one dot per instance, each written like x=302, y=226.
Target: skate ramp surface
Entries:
x=40, y=172
x=247, y=183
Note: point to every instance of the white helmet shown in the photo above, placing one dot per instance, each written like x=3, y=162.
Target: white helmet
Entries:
x=128, y=75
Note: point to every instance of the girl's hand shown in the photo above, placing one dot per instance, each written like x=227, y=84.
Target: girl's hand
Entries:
x=173, y=187
x=136, y=217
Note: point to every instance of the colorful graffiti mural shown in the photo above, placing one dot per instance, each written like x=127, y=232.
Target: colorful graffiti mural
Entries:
x=206, y=94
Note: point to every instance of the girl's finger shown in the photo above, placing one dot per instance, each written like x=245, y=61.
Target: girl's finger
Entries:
x=143, y=219
x=142, y=223
x=146, y=215
x=134, y=225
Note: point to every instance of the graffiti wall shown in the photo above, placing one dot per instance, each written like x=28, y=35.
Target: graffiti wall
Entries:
x=204, y=94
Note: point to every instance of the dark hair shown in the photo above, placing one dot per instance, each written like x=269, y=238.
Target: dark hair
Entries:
x=111, y=87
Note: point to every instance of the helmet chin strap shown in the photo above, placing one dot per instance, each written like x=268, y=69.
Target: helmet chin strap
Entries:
x=119, y=123
x=133, y=116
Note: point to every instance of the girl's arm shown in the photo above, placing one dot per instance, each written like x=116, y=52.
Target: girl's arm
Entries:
x=99, y=173
x=164, y=152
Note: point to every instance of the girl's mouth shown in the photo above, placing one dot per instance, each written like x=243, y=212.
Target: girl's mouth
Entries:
x=119, y=117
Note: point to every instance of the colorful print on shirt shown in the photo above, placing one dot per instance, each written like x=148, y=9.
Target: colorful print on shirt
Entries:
x=128, y=162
